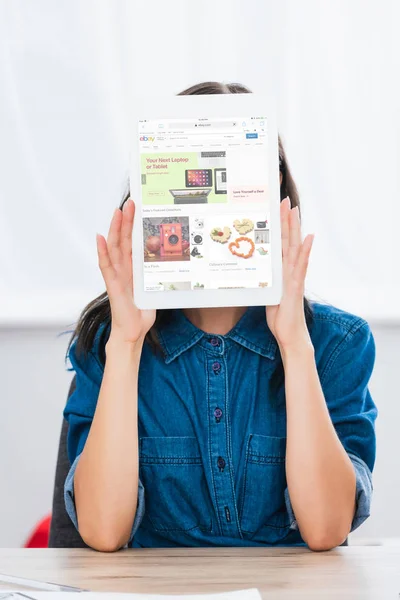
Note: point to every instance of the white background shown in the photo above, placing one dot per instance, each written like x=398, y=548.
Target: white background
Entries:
x=69, y=72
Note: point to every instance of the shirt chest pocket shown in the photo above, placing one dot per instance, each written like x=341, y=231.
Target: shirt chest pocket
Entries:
x=172, y=474
x=264, y=516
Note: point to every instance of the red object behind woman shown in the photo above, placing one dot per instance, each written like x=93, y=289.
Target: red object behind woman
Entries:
x=39, y=538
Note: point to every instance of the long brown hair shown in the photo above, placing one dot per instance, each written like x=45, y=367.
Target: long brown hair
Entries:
x=98, y=313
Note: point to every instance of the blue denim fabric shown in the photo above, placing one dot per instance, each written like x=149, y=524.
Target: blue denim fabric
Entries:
x=212, y=428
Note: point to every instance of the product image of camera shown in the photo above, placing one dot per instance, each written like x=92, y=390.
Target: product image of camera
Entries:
x=170, y=239
x=197, y=237
x=195, y=252
x=199, y=223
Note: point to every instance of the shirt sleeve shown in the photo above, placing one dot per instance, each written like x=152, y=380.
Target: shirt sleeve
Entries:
x=79, y=413
x=344, y=381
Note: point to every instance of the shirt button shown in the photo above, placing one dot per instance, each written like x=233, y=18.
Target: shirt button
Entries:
x=214, y=342
x=217, y=413
x=216, y=367
x=221, y=463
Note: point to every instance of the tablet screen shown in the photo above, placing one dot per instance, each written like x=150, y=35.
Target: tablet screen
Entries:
x=205, y=203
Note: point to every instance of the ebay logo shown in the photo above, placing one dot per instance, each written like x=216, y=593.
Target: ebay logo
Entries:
x=144, y=138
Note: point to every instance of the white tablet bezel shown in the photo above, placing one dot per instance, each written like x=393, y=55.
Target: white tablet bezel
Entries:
x=212, y=106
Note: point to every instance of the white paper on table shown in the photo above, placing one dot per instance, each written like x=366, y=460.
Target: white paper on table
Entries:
x=249, y=594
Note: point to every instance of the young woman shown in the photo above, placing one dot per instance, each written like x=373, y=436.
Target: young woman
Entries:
x=219, y=427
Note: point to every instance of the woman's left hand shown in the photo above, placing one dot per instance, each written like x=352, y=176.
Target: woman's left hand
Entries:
x=287, y=320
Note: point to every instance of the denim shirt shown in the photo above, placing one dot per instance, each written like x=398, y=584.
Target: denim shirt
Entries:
x=212, y=428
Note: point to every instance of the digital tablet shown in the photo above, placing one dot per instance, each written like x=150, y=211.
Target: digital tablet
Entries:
x=205, y=181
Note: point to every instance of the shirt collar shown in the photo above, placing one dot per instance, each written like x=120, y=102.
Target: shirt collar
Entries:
x=177, y=334
x=253, y=333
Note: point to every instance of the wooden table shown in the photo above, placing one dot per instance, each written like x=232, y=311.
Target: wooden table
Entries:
x=360, y=573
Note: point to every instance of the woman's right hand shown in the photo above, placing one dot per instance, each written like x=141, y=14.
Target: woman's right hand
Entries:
x=128, y=323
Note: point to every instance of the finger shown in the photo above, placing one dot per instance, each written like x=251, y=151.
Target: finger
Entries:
x=104, y=260
x=294, y=235
x=128, y=215
x=285, y=210
x=294, y=227
x=114, y=235
x=300, y=270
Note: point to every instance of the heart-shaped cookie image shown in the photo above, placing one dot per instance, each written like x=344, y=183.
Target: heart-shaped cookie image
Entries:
x=243, y=226
x=220, y=235
x=242, y=247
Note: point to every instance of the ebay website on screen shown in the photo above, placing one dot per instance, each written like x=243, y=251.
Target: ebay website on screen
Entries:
x=205, y=203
